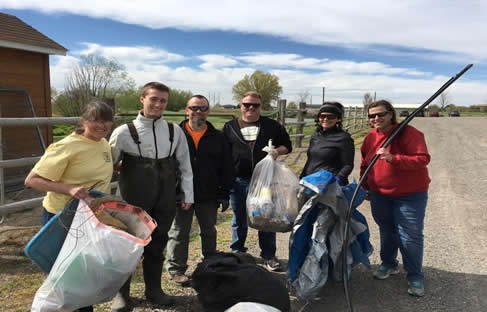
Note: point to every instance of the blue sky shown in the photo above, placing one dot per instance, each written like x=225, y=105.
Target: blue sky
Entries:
x=404, y=52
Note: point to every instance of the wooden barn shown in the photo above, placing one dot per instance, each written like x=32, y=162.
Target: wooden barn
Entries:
x=24, y=73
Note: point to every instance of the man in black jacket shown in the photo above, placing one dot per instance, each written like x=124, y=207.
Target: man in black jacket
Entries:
x=213, y=176
x=247, y=136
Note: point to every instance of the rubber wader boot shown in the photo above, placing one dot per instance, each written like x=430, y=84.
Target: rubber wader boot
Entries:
x=152, y=278
x=121, y=302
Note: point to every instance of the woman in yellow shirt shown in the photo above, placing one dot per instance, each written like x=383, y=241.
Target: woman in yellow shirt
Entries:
x=78, y=163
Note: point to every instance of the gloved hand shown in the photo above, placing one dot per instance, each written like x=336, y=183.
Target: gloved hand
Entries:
x=224, y=203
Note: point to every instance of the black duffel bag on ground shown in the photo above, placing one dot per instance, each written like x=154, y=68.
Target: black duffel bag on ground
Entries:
x=226, y=279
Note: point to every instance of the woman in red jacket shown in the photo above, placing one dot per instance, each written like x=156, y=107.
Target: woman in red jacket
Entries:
x=398, y=191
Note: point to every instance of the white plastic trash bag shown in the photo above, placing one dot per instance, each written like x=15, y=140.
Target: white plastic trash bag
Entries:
x=272, y=204
x=96, y=259
x=251, y=307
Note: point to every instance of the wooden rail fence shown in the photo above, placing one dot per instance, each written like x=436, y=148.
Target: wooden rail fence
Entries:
x=354, y=121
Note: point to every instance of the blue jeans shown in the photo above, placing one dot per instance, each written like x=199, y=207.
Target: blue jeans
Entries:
x=238, y=197
x=46, y=216
x=401, y=222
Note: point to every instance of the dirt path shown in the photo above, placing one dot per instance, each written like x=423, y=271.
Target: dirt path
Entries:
x=455, y=231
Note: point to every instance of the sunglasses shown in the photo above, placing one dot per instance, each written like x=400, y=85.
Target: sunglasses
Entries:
x=254, y=105
x=196, y=108
x=327, y=116
x=381, y=114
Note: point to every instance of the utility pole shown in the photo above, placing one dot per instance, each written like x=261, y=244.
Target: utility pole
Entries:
x=374, y=96
x=323, y=96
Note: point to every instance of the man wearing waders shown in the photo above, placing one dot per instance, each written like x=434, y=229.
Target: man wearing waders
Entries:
x=151, y=150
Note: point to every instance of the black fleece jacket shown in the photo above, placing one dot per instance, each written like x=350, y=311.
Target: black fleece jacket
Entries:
x=244, y=157
x=213, y=172
x=332, y=150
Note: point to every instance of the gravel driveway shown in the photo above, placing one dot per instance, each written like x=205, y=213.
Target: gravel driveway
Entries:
x=455, y=254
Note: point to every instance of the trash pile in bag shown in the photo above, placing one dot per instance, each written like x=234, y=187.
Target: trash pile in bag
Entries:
x=272, y=204
x=95, y=258
x=318, y=234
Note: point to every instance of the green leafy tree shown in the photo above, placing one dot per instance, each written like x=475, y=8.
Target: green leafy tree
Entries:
x=265, y=84
x=128, y=101
x=474, y=108
x=450, y=107
x=291, y=105
x=434, y=107
x=178, y=99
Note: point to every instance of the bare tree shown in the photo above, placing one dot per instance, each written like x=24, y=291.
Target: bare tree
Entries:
x=444, y=100
x=303, y=96
x=94, y=77
x=368, y=99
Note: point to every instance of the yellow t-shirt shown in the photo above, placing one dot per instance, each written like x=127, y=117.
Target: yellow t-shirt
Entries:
x=75, y=160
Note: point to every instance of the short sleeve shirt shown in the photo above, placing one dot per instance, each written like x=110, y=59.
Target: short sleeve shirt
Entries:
x=75, y=160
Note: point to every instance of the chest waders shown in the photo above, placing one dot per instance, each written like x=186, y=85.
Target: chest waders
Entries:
x=151, y=184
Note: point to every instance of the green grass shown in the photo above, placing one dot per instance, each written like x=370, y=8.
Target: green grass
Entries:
x=471, y=114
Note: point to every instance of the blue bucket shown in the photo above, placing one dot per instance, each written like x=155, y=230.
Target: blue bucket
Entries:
x=44, y=247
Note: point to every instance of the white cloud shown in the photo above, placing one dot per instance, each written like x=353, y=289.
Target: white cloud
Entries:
x=297, y=61
x=215, y=61
x=131, y=54
x=451, y=30
x=60, y=67
x=345, y=81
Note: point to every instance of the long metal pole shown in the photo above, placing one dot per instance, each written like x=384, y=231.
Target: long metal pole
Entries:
x=391, y=137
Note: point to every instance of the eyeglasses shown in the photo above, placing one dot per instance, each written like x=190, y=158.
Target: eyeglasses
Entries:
x=381, y=114
x=196, y=108
x=254, y=105
x=327, y=116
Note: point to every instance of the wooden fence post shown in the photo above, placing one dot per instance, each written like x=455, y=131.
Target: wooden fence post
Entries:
x=355, y=118
x=300, y=124
x=365, y=118
x=347, y=117
x=281, y=113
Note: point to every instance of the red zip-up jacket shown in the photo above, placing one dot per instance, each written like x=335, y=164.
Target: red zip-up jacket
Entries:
x=406, y=173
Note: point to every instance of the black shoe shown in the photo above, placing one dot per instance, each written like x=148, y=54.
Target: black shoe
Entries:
x=272, y=264
x=159, y=298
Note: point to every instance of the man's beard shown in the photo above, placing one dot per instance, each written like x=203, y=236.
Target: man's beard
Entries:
x=198, y=123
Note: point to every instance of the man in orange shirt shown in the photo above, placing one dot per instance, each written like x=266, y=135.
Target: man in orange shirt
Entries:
x=213, y=176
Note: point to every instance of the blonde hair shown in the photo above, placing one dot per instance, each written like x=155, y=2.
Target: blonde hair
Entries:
x=252, y=94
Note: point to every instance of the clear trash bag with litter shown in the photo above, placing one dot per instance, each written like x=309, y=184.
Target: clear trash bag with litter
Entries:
x=272, y=204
